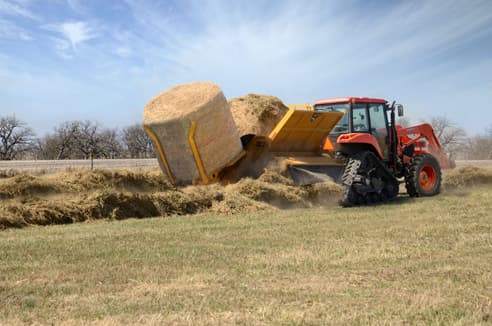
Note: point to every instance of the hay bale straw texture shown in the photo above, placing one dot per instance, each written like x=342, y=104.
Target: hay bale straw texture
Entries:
x=170, y=115
x=257, y=114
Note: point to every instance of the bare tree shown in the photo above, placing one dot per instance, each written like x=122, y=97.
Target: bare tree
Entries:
x=65, y=139
x=16, y=138
x=480, y=146
x=60, y=144
x=77, y=139
x=111, y=146
x=47, y=147
x=451, y=136
x=88, y=139
x=137, y=142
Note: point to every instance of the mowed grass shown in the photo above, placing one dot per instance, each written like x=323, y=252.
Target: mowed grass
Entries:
x=416, y=261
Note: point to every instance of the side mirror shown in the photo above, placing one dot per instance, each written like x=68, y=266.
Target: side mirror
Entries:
x=399, y=108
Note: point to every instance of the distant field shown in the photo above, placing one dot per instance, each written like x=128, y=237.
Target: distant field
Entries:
x=60, y=165
x=415, y=261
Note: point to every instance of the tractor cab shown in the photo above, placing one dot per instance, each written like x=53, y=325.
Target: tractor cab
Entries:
x=362, y=115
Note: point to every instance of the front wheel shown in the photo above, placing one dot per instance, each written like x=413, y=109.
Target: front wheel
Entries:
x=423, y=176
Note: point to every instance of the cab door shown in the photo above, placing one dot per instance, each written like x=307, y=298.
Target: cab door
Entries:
x=379, y=126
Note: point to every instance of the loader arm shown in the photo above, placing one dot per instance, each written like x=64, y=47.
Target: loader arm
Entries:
x=424, y=141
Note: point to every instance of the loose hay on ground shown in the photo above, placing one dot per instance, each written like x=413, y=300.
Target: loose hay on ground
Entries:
x=82, y=195
x=467, y=176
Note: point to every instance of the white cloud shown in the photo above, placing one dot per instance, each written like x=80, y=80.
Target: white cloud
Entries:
x=74, y=33
x=77, y=32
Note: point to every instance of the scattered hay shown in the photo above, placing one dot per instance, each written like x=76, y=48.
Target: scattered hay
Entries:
x=467, y=176
x=272, y=176
x=40, y=212
x=117, y=205
x=190, y=200
x=324, y=194
x=257, y=114
x=8, y=173
x=22, y=185
x=235, y=203
x=278, y=195
x=28, y=185
x=80, y=195
x=146, y=181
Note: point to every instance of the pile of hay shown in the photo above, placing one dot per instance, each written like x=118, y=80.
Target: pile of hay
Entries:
x=257, y=114
x=467, y=176
x=81, y=195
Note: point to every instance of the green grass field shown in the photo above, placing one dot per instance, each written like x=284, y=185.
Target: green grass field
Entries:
x=416, y=261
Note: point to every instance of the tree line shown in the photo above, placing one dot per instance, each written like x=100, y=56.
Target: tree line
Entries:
x=72, y=140
x=77, y=139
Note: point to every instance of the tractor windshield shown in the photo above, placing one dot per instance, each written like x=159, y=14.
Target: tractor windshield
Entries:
x=342, y=125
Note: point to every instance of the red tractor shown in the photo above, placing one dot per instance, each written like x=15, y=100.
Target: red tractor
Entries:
x=378, y=153
x=354, y=141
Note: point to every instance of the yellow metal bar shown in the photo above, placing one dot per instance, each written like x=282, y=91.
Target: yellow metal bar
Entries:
x=302, y=106
x=196, y=154
x=281, y=124
x=160, y=151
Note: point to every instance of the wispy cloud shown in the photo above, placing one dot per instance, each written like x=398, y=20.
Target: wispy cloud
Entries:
x=9, y=30
x=272, y=47
x=77, y=32
x=414, y=51
x=76, y=6
x=73, y=34
x=16, y=8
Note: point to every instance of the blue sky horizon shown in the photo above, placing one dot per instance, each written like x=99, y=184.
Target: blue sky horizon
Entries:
x=91, y=60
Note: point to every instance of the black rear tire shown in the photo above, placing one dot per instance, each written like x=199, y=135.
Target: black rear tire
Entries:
x=423, y=176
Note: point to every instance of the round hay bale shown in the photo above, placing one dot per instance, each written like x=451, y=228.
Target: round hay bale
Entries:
x=257, y=114
x=169, y=116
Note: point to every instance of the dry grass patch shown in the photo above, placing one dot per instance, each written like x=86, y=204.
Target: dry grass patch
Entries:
x=417, y=261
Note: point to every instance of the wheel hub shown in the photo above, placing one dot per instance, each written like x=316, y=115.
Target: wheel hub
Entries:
x=427, y=178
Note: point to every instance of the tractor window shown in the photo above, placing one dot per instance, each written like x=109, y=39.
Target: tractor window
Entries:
x=342, y=126
x=360, y=120
x=377, y=114
x=378, y=126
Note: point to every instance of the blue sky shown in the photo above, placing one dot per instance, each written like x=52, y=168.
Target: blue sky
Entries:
x=103, y=60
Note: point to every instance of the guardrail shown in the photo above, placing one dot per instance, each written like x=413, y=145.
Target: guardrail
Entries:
x=60, y=165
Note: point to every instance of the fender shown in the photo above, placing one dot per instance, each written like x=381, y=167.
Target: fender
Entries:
x=366, y=140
